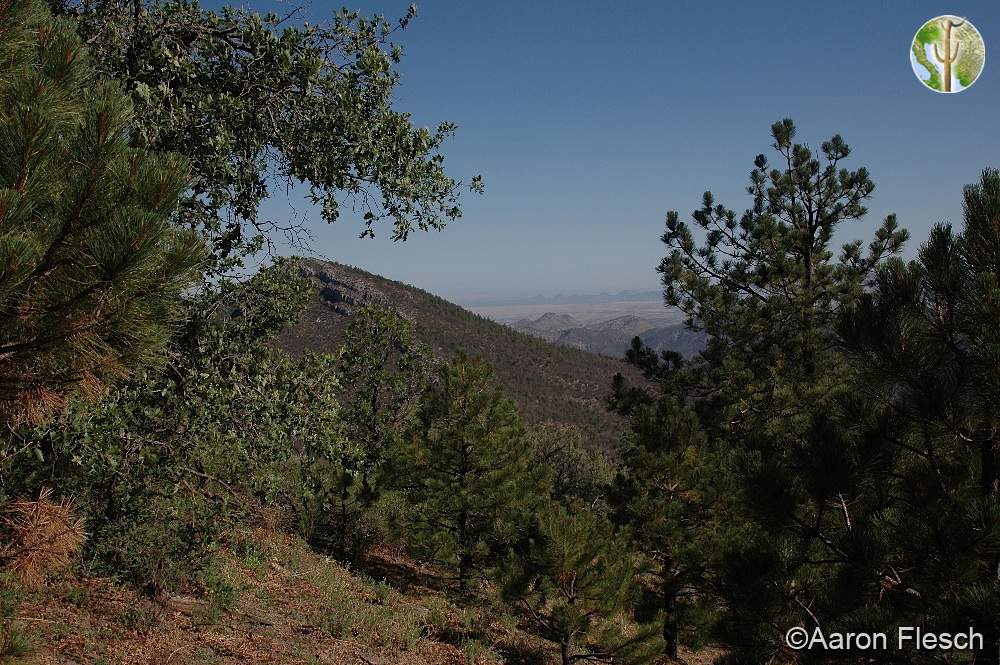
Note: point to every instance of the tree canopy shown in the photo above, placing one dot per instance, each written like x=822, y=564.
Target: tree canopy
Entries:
x=258, y=103
x=92, y=267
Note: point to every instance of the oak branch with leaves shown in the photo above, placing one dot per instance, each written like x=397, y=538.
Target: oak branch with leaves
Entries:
x=259, y=103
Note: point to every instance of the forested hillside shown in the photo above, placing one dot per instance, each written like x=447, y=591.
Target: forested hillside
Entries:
x=550, y=383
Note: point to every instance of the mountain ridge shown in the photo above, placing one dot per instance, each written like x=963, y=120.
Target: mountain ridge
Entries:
x=549, y=383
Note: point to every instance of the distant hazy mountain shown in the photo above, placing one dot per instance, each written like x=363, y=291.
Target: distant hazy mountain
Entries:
x=548, y=326
x=575, y=299
x=677, y=337
x=555, y=322
x=614, y=336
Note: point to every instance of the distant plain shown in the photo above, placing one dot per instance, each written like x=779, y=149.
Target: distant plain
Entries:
x=585, y=312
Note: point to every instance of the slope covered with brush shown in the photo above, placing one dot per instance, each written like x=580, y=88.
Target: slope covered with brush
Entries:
x=548, y=382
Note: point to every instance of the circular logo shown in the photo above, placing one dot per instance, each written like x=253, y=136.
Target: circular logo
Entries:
x=947, y=54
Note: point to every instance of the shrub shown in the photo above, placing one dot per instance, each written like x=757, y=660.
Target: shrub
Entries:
x=439, y=622
x=575, y=471
x=222, y=593
x=477, y=653
x=168, y=460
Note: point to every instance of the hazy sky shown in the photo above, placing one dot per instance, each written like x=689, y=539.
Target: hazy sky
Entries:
x=589, y=120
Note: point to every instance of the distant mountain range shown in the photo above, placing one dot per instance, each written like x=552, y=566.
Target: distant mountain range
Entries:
x=550, y=383
x=572, y=299
x=613, y=336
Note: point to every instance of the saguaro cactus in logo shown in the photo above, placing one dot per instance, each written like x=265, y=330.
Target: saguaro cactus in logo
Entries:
x=947, y=54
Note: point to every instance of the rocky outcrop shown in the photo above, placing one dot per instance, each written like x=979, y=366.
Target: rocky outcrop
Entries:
x=342, y=291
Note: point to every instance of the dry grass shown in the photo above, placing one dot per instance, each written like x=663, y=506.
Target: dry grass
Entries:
x=44, y=536
x=292, y=606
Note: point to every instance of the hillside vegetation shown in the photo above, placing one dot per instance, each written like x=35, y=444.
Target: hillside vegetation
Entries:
x=274, y=600
x=549, y=383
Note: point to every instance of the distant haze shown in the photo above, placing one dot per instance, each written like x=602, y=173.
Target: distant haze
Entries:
x=564, y=299
x=584, y=308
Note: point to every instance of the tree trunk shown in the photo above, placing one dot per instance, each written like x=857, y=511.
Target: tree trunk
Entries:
x=989, y=479
x=463, y=563
x=564, y=652
x=669, y=617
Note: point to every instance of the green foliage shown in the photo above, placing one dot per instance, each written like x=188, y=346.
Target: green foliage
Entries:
x=77, y=596
x=770, y=271
x=777, y=477
x=166, y=461
x=573, y=583
x=925, y=341
x=338, y=622
x=765, y=285
x=660, y=496
x=251, y=100
x=222, y=593
x=346, y=615
x=574, y=471
x=477, y=653
x=382, y=371
x=93, y=269
x=772, y=463
x=467, y=470
x=549, y=383
x=438, y=620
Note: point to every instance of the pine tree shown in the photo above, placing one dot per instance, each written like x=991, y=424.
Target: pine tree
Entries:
x=92, y=270
x=765, y=284
x=925, y=342
x=383, y=371
x=772, y=392
x=573, y=582
x=467, y=469
x=660, y=498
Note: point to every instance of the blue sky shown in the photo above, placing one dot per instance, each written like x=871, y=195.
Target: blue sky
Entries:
x=589, y=120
